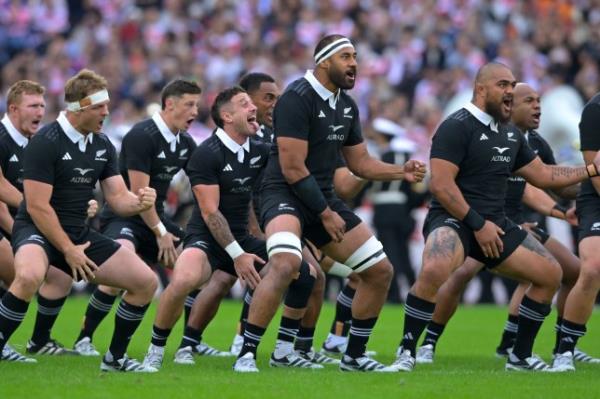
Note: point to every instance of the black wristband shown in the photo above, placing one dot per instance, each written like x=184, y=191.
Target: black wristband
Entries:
x=473, y=220
x=560, y=209
x=309, y=192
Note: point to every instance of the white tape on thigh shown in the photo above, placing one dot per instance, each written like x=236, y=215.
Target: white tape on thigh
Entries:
x=284, y=242
x=366, y=255
x=340, y=270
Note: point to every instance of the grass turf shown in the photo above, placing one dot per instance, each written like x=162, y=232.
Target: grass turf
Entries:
x=465, y=366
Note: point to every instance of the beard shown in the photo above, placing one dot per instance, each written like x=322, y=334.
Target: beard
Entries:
x=340, y=79
x=496, y=111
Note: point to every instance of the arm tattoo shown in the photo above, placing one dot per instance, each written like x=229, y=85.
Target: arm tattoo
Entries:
x=535, y=246
x=442, y=243
x=559, y=172
x=219, y=228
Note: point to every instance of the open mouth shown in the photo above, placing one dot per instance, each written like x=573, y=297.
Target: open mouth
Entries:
x=36, y=123
x=189, y=122
x=253, y=122
x=536, y=117
x=507, y=102
x=351, y=75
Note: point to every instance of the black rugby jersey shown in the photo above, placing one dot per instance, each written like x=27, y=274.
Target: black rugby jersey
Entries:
x=52, y=157
x=145, y=149
x=514, y=207
x=214, y=163
x=485, y=158
x=590, y=141
x=303, y=112
x=11, y=159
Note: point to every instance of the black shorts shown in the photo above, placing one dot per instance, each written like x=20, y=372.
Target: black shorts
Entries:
x=99, y=251
x=512, y=238
x=519, y=218
x=140, y=235
x=276, y=202
x=542, y=234
x=217, y=257
x=588, y=213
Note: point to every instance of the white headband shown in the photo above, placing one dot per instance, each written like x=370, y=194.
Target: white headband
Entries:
x=331, y=49
x=93, y=99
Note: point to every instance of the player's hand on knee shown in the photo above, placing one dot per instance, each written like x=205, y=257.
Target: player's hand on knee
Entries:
x=244, y=267
x=333, y=224
x=92, y=208
x=489, y=239
x=414, y=171
x=167, y=252
x=146, y=197
x=530, y=228
x=80, y=264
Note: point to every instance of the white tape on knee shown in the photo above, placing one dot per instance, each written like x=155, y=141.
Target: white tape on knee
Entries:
x=368, y=254
x=284, y=242
x=340, y=270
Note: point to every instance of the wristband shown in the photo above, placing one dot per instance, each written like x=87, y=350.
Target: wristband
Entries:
x=308, y=191
x=559, y=211
x=591, y=170
x=234, y=250
x=473, y=220
x=159, y=230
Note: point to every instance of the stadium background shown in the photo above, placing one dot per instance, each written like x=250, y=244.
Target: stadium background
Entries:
x=417, y=59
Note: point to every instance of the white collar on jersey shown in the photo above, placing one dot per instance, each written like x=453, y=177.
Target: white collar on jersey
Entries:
x=170, y=138
x=232, y=145
x=14, y=133
x=321, y=90
x=483, y=117
x=73, y=134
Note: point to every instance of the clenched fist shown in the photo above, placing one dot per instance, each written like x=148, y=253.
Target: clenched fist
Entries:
x=414, y=171
x=146, y=197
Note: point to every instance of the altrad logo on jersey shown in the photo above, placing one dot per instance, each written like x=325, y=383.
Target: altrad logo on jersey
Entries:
x=501, y=158
x=335, y=136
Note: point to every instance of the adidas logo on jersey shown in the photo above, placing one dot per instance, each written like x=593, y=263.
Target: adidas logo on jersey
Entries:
x=227, y=168
x=14, y=158
x=67, y=157
x=483, y=137
x=161, y=155
x=321, y=114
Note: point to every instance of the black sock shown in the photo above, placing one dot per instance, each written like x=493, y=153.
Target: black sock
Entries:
x=160, y=336
x=509, y=335
x=189, y=303
x=531, y=317
x=127, y=320
x=433, y=332
x=2, y=292
x=359, y=336
x=417, y=314
x=252, y=336
x=191, y=337
x=343, y=312
x=12, y=313
x=48, y=310
x=245, y=311
x=304, y=339
x=558, y=331
x=98, y=307
x=288, y=329
x=570, y=333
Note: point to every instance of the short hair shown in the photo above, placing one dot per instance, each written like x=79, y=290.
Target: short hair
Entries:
x=16, y=91
x=83, y=84
x=325, y=41
x=223, y=98
x=177, y=88
x=252, y=81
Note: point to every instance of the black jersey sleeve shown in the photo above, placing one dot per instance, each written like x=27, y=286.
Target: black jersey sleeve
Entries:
x=340, y=161
x=137, y=150
x=204, y=167
x=450, y=142
x=4, y=157
x=192, y=147
x=355, y=134
x=546, y=153
x=524, y=155
x=112, y=165
x=589, y=128
x=291, y=117
x=40, y=156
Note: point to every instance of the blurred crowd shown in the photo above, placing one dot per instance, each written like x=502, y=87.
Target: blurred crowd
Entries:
x=417, y=58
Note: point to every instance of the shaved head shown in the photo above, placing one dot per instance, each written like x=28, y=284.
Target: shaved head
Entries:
x=493, y=90
x=523, y=90
x=489, y=71
x=526, y=110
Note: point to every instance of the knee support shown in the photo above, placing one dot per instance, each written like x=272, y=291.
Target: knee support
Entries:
x=368, y=254
x=300, y=288
x=340, y=270
x=284, y=242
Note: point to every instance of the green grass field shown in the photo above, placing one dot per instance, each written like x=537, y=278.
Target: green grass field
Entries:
x=465, y=365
